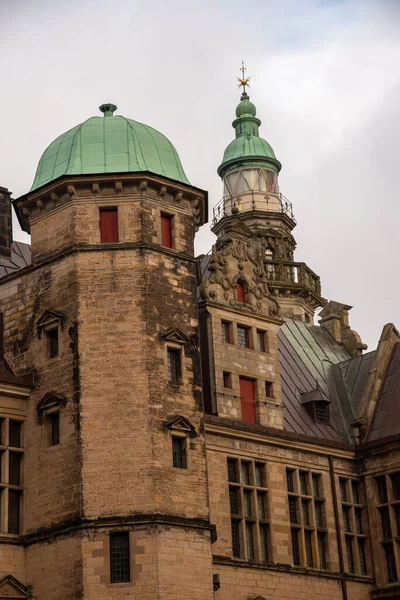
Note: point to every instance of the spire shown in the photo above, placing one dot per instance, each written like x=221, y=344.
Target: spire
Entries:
x=248, y=144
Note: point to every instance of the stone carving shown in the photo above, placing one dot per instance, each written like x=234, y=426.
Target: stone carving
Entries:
x=12, y=588
x=239, y=256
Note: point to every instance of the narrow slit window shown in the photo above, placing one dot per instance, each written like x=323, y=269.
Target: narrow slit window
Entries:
x=54, y=422
x=268, y=389
x=14, y=474
x=108, y=225
x=243, y=334
x=15, y=434
x=227, y=380
x=166, y=231
x=241, y=291
x=261, y=341
x=14, y=510
x=52, y=337
x=119, y=557
x=226, y=332
x=179, y=455
x=174, y=365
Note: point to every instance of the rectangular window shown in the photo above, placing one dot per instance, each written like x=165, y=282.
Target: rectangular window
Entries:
x=316, y=485
x=52, y=336
x=295, y=547
x=15, y=434
x=349, y=552
x=247, y=400
x=11, y=477
x=303, y=483
x=166, y=231
x=322, y=412
x=243, y=334
x=302, y=508
x=14, y=509
x=248, y=508
x=174, y=365
x=259, y=474
x=268, y=389
x=261, y=341
x=14, y=473
x=245, y=473
x=385, y=519
x=234, y=500
x=309, y=552
x=396, y=485
x=232, y=470
x=108, y=225
x=352, y=511
x=226, y=332
x=119, y=557
x=361, y=554
x=235, y=538
x=321, y=550
x=264, y=543
x=179, y=458
x=249, y=541
x=54, y=421
x=289, y=480
x=390, y=563
x=227, y=380
x=382, y=492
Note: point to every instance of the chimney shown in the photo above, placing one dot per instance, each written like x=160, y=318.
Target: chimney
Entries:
x=335, y=318
x=5, y=224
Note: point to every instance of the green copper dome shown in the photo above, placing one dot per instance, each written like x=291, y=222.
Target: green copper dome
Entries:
x=247, y=149
x=109, y=144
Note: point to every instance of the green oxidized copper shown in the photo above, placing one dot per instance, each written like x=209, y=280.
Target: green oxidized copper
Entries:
x=113, y=144
x=247, y=149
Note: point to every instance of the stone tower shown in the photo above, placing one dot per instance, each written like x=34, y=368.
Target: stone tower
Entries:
x=249, y=171
x=106, y=319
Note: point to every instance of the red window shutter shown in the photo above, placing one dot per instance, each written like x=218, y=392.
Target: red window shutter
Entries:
x=166, y=231
x=240, y=291
x=108, y=225
x=247, y=400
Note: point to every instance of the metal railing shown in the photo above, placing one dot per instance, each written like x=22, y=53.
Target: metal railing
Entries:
x=252, y=201
x=283, y=272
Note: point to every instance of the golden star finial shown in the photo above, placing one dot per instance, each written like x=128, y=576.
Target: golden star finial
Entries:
x=243, y=81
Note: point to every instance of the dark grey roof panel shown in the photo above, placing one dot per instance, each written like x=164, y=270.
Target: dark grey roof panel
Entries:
x=20, y=258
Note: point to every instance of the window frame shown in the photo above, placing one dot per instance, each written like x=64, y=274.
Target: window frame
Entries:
x=115, y=232
x=8, y=488
x=262, y=341
x=174, y=367
x=352, y=506
x=308, y=534
x=226, y=329
x=127, y=566
x=167, y=240
x=182, y=458
x=251, y=499
x=247, y=335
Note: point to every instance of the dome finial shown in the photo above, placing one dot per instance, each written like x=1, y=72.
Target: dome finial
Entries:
x=243, y=81
x=108, y=109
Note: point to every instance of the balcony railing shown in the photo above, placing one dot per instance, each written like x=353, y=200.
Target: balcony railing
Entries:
x=252, y=201
x=297, y=273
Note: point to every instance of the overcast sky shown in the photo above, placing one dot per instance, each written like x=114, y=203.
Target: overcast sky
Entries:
x=324, y=78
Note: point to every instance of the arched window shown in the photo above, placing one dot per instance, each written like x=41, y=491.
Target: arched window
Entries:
x=241, y=291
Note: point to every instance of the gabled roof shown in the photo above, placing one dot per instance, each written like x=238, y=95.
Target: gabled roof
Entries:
x=386, y=420
x=20, y=258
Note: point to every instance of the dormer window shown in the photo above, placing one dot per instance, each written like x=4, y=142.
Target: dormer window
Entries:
x=317, y=406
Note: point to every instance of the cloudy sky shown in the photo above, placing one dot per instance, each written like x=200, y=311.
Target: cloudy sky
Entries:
x=324, y=78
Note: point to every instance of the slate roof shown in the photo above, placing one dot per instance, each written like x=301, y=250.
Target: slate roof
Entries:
x=386, y=420
x=307, y=354
x=20, y=258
